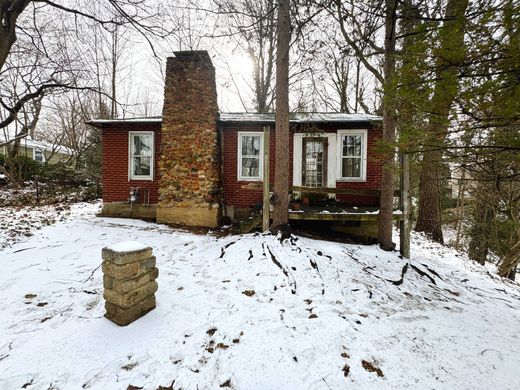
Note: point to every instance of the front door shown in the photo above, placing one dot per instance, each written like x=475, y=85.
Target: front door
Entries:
x=314, y=172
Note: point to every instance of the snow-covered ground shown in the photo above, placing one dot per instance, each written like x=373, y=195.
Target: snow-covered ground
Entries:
x=250, y=312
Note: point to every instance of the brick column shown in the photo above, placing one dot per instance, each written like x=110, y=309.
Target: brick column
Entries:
x=189, y=186
x=129, y=275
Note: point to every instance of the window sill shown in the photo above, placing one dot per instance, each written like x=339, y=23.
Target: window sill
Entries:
x=250, y=180
x=141, y=179
x=351, y=180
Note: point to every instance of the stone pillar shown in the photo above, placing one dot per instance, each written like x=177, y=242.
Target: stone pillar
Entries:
x=189, y=186
x=129, y=275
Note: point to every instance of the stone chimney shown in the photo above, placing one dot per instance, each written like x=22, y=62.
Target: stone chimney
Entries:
x=190, y=184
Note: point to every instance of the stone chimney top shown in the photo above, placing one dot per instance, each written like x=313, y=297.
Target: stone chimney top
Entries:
x=193, y=55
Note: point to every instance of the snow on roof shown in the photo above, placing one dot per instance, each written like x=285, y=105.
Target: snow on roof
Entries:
x=311, y=117
x=28, y=142
x=100, y=122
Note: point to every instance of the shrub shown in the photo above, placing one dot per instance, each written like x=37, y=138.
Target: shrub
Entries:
x=21, y=168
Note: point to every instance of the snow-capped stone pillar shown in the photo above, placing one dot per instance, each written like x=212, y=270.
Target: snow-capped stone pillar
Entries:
x=129, y=274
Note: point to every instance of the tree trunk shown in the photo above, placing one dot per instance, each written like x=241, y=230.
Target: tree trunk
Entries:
x=509, y=263
x=387, y=180
x=480, y=231
x=281, y=181
x=429, y=208
x=450, y=57
x=9, y=12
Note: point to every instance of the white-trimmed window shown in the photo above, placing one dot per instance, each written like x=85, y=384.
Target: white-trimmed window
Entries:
x=141, y=154
x=352, y=155
x=250, y=155
x=38, y=155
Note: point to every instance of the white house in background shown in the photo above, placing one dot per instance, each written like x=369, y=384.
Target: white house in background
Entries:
x=460, y=179
x=38, y=150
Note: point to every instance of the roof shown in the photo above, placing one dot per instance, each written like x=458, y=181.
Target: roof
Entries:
x=247, y=117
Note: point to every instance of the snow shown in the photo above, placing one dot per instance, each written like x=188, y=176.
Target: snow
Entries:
x=253, y=311
x=311, y=117
x=127, y=246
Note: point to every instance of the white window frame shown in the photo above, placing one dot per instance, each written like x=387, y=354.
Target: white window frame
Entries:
x=260, y=176
x=131, y=175
x=43, y=155
x=364, y=136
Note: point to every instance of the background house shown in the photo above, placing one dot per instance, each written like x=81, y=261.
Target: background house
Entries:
x=39, y=151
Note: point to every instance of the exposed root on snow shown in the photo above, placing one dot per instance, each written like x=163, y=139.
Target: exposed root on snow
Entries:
x=422, y=273
x=286, y=272
x=400, y=281
x=223, y=249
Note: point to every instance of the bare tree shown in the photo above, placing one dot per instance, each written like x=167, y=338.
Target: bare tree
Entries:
x=253, y=28
x=45, y=29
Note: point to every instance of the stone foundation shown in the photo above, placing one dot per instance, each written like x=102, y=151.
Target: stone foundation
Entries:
x=189, y=186
x=125, y=210
x=129, y=275
x=190, y=214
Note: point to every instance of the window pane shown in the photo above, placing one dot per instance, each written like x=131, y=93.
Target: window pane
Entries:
x=351, y=167
x=352, y=145
x=142, y=166
x=313, y=168
x=250, y=167
x=142, y=145
x=38, y=155
x=250, y=145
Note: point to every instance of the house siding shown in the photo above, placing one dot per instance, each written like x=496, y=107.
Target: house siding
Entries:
x=116, y=183
x=243, y=194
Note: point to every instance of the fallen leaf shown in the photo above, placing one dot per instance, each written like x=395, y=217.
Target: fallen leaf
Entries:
x=370, y=367
x=226, y=383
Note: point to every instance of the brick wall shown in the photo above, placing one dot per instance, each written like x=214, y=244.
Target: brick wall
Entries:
x=116, y=185
x=241, y=194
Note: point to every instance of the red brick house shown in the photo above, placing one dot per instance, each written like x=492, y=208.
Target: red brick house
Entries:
x=195, y=165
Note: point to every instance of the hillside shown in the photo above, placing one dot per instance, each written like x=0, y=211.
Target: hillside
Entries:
x=251, y=312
